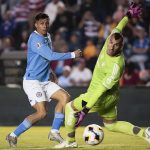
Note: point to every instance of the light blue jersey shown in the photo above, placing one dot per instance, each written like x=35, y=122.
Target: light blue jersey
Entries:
x=39, y=55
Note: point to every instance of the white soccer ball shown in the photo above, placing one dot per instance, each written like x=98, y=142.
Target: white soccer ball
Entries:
x=93, y=134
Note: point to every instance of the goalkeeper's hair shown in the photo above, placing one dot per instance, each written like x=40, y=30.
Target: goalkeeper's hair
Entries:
x=117, y=36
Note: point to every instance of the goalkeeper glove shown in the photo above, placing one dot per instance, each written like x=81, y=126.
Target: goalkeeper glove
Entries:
x=134, y=10
x=80, y=115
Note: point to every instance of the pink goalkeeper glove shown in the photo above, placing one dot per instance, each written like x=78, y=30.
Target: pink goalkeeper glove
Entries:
x=134, y=11
x=80, y=115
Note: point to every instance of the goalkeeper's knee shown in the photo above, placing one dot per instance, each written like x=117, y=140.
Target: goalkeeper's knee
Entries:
x=110, y=126
x=70, y=119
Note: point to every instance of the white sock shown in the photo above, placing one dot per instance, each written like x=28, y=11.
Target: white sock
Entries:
x=13, y=135
x=54, y=131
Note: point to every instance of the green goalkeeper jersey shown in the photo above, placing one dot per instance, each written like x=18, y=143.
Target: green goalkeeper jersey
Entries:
x=107, y=71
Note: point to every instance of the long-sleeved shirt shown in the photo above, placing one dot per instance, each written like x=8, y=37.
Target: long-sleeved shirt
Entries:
x=39, y=55
x=107, y=71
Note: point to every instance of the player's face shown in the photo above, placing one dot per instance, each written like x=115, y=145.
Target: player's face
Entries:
x=114, y=46
x=42, y=26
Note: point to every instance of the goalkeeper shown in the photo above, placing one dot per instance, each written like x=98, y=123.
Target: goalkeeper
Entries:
x=103, y=93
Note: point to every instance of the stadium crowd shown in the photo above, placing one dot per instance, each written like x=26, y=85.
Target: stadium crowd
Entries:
x=82, y=24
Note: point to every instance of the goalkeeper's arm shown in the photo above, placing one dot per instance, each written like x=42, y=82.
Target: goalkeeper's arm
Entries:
x=134, y=11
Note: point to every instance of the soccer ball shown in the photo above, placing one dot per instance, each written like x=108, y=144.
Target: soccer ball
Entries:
x=93, y=134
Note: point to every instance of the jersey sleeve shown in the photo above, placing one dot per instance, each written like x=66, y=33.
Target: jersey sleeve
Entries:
x=38, y=46
x=121, y=25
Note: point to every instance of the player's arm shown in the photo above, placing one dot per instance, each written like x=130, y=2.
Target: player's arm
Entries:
x=134, y=11
x=121, y=25
x=45, y=51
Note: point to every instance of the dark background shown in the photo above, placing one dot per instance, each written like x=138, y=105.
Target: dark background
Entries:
x=133, y=106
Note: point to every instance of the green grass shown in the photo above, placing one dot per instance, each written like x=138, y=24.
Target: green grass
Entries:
x=36, y=139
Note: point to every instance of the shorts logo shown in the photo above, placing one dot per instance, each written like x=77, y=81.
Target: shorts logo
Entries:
x=38, y=94
x=30, y=100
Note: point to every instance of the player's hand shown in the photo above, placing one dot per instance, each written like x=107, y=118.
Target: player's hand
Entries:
x=134, y=10
x=78, y=53
x=80, y=115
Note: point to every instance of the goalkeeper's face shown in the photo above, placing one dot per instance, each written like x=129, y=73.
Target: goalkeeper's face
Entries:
x=42, y=26
x=115, y=45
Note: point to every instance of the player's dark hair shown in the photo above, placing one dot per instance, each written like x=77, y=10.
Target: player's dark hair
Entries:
x=40, y=16
x=118, y=36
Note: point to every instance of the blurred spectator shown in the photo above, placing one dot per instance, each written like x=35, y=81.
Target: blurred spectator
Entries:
x=89, y=26
x=84, y=24
x=80, y=75
x=7, y=44
x=91, y=63
x=57, y=66
x=146, y=15
x=73, y=6
x=130, y=77
x=3, y=7
x=87, y=5
x=145, y=77
x=11, y=3
x=7, y=26
x=35, y=7
x=52, y=9
x=64, y=79
x=63, y=21
x=90, y=50
x=1, y=46
x=22, y=42
x=106, y=28
x=141, y=48
x=21, y=14
x=74, y=42
x=123, y=3
x=58, y=40
x=90, y=54
x=119, y=13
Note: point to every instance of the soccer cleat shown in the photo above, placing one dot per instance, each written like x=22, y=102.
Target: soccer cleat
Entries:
x=11, y=140
x=65, y=144
x=55, y=137
x=147, y=135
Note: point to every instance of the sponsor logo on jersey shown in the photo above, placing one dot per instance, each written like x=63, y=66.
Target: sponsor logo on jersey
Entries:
x=39, y=45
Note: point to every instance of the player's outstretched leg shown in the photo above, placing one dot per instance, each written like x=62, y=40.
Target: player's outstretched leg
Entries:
x=147, y=134
x=12, y=137
x=54, y=134
x=70, y=121
x=27, y=123
x=128, y=128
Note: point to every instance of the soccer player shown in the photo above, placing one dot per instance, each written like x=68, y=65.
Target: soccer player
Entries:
x=36, y=83
x=102, y=94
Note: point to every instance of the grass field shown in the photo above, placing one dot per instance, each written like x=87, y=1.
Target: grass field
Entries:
x=36, y=139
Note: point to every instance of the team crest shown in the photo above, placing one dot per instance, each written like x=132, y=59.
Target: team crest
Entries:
x=38, y=45
x=38, y=94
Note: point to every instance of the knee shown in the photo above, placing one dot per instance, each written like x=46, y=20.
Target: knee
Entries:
x=65, y=98
x=109, y=126
x=42, y=114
